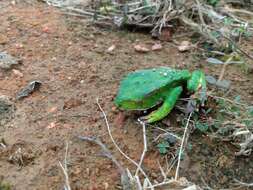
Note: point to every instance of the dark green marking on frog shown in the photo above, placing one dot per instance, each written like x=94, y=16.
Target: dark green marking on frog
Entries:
x=144, y=89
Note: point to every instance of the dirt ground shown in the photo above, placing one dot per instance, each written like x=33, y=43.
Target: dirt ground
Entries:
x=70, y=58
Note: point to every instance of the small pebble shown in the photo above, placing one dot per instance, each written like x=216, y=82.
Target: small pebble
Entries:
x=88, y=171
x=106, y=185
x=17, y=73
x=114, y=110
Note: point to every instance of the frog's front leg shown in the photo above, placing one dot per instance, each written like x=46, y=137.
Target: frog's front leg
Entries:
x=169, y=102
x=197, y=83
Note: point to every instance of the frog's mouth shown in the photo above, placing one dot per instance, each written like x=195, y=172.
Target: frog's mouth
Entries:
x=136, y=105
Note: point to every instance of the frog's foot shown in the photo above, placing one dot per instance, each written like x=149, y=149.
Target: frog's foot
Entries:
x=168, y=104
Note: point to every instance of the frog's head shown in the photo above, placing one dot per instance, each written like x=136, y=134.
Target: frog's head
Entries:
x=197, y=83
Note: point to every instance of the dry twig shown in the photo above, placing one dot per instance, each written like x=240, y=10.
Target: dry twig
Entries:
x=65, y=170
x=224, y=67
x=119, y=149
x=243, y=184
x=144, y=148
x=125, y=181
x=181, y=147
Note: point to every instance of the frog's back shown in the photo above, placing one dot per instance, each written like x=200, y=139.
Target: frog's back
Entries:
x=139, y=84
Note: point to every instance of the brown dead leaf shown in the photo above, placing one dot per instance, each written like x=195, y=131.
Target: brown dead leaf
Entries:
x=166, y=121
x=166, y=34
x=72, y=103
x=141, y=48
x=250, y=69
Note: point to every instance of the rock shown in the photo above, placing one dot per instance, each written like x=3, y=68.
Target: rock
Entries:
x=30, y=88
x=6, y=109
x=223, y=84
x=156, y=47
x=52, y=125
x=5, y=104
x=115, y=110
x=171, y=139
x=111, y=48
x=7, y=61
x=141, y=48
x=17, y=73
x=184, y=46
x=211, y=80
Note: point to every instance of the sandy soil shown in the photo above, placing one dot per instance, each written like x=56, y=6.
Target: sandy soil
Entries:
x=70, y=58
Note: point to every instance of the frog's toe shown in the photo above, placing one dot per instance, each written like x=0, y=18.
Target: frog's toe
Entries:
x=149, y=119
x=144, y=119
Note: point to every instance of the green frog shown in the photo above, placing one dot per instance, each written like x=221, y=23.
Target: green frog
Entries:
x=144, y=89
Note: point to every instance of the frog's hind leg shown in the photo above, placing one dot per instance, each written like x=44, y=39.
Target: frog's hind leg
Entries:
x=168, y=104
